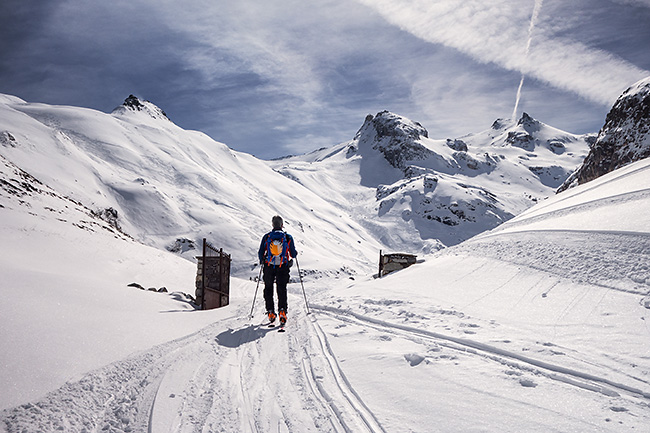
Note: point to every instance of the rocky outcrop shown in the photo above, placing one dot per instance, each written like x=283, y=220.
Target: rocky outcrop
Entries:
x=7, y=139
x=395, y=137
x=624, y=138
x=134, y=104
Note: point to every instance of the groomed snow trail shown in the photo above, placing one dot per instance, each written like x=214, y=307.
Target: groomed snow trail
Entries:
x=246, y=378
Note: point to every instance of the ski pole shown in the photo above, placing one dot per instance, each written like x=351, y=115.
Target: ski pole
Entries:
x=303, y=286
x=256, y=287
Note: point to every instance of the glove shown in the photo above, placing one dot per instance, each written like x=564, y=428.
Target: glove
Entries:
x=290, y=263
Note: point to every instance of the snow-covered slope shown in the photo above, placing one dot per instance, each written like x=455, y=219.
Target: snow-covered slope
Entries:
x=539, y=325
x=66, y=306
x=414, y=192
x=169, y=187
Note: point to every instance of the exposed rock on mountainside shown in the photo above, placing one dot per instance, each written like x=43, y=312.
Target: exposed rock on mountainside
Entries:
x=132, y=103
x=395, y=137
x=6, y=139
x=20, y=191
x=624, y=138
x=438, y=191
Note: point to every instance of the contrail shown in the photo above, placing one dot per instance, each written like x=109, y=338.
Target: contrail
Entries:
x=533, y=20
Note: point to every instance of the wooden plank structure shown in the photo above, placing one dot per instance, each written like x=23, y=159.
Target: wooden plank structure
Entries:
x=213, y=278
x=393, y=262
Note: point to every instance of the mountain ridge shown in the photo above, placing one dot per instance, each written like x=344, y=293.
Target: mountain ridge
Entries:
x=391, y=183
x=167, y=184
x=444, y=190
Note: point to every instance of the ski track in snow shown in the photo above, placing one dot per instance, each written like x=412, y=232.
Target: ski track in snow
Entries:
x=249, y=378
x=236, y=376
x=558, y=372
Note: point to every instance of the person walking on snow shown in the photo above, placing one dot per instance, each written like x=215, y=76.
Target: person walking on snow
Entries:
x=276, y=254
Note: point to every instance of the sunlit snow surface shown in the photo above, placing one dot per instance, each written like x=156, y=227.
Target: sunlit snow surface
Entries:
x=513, y=326
x=539, y=325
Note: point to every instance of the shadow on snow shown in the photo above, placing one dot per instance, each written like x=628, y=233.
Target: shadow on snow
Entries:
x=239, y=337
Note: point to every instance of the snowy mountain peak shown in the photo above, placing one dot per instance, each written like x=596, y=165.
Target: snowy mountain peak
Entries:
x=133, y=104
x=438, y=191
x=528, y=123
x=396, y=137
x=624, y=138
x=387, y=124
x=523, y=133
x=528, y=134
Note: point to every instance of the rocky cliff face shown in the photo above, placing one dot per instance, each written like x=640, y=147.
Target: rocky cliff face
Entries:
x=395, y=137
x=624, y=138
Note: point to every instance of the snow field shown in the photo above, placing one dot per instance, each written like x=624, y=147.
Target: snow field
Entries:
x=67, y=306
x=233, y=375
x=451, y=389
x=539, y=325
x=611, y=203
x=488, y=352
x=336, y=370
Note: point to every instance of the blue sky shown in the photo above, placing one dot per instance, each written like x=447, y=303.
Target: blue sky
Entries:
x=280, y=77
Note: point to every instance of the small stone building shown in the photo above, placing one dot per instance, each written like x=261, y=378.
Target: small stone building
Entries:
x=393, y=262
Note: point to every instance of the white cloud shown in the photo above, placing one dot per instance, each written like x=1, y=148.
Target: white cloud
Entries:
x=497, y=32
x=271, y=76
x=243, y=38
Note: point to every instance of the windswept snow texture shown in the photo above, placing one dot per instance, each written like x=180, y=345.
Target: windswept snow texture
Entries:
x=528, y=327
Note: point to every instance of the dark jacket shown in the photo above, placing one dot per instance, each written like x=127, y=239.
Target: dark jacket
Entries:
x=292, y=247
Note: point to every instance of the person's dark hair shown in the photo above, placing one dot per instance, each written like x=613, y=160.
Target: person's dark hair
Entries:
x=277, y=222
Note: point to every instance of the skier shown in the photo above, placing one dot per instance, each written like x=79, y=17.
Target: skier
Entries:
x=276, y=254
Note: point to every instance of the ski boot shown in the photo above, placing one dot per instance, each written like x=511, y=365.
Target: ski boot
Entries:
x=272, y=316
x=283, y=317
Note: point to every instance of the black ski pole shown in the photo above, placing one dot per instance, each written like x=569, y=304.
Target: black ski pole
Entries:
x=303, y=286
x=256, y=287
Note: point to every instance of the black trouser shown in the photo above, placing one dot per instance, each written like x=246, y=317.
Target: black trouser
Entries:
x=279, y=274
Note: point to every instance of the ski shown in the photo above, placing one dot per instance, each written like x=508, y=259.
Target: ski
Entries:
x=281, y=329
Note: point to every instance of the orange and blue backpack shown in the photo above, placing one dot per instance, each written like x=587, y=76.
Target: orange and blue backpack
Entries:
x=277, y=248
